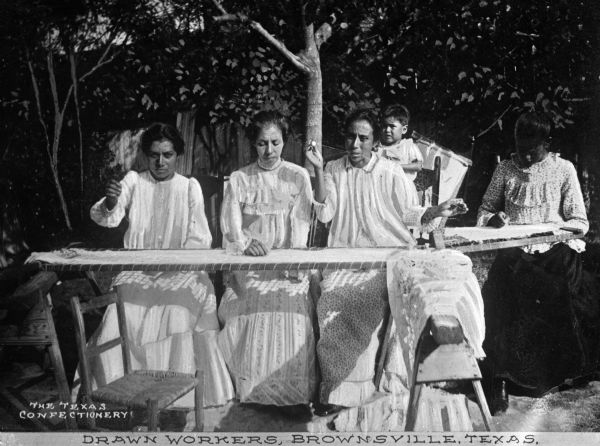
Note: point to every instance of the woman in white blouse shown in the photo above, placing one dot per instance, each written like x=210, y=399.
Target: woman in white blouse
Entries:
x=171, y=316
x=267, y=338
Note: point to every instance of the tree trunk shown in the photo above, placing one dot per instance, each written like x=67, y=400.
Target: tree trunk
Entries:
x=58, y=122
x=75, y=82
x=61, y=196
x=314, y=96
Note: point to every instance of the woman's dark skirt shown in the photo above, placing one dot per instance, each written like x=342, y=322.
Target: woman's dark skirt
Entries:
x=542, y=317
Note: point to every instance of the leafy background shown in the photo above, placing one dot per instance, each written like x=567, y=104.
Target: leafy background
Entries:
x=464, y=69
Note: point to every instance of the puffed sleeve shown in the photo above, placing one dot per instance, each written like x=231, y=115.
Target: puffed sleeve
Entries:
x=112, y=218
x=326, y=210
x=234, y=239
x=414, y=153
x=198, y=233
x=573, y=207
x=301, y=210
x=493, y=200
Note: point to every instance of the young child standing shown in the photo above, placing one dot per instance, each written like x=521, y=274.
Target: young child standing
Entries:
x=393, y=144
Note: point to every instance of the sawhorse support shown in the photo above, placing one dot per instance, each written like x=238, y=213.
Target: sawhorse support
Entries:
x=440, y=358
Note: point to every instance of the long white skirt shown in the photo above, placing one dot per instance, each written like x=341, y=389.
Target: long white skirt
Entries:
x=171, y=325
x=267, y=338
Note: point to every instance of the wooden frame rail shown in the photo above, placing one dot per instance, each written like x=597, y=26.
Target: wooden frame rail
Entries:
x=211, y=260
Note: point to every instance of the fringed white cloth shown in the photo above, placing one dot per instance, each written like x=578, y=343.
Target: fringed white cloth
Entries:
x=426, y=283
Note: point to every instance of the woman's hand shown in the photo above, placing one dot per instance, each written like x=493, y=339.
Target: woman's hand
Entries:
x=112, y=191
x=449, y=208
x=256, y=248
x=452, y=207
x=498, y=220
x=314, y=156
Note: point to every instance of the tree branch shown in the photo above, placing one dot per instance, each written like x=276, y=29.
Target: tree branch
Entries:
x=101, y=61
x=219, y=7
x=257, y=27
x=58, y=113
x=228, y=18
x=38, y=102
x=494, y=123
x=293, y=58
x=52, y=79
x=78, y=116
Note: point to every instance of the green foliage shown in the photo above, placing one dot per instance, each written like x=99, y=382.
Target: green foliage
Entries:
x=458, y=66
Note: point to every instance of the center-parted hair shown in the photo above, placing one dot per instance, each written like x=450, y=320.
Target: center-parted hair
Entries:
x=265, y=118
x=396, y=111
x=159, y=131
x=361, y=114
x=533, y=126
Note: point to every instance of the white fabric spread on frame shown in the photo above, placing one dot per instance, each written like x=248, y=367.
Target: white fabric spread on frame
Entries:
x=426, y=283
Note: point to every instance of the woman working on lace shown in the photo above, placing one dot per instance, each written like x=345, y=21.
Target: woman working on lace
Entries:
x=541, y=308
x=171, y=316
x=267, y=337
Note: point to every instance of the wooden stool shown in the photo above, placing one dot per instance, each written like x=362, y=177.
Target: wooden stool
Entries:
x=444, y=355
x=39, y=331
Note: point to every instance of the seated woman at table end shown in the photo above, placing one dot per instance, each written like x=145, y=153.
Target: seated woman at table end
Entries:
x=541, y=309
x=267, y=337
x=171, y=316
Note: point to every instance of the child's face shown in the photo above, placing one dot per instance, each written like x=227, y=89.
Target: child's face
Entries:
x=392, y=131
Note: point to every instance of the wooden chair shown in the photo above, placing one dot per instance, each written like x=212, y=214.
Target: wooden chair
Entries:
x=430, y=180
x=38, y=331
x=140, y=389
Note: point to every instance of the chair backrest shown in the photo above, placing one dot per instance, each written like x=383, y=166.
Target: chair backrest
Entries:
x=427, y=183
x=86, y=352
x=212, y=190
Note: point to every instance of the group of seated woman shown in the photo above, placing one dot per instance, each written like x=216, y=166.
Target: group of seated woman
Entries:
x=261, y=344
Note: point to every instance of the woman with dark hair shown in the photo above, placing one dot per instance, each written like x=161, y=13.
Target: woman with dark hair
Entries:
x=267, y=338
x=541, y=308
x=171, y=316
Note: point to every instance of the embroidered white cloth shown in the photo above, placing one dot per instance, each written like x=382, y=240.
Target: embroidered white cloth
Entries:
x=369, y=206
x=488, y=233
x=453, y=166
x=210, y=259
x=546, y=192
x=423, y=283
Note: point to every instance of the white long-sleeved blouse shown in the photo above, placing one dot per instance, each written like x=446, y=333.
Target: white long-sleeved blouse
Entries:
x=546, y=192
x=369, y=206
x=162, y=214
x=272, y=206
